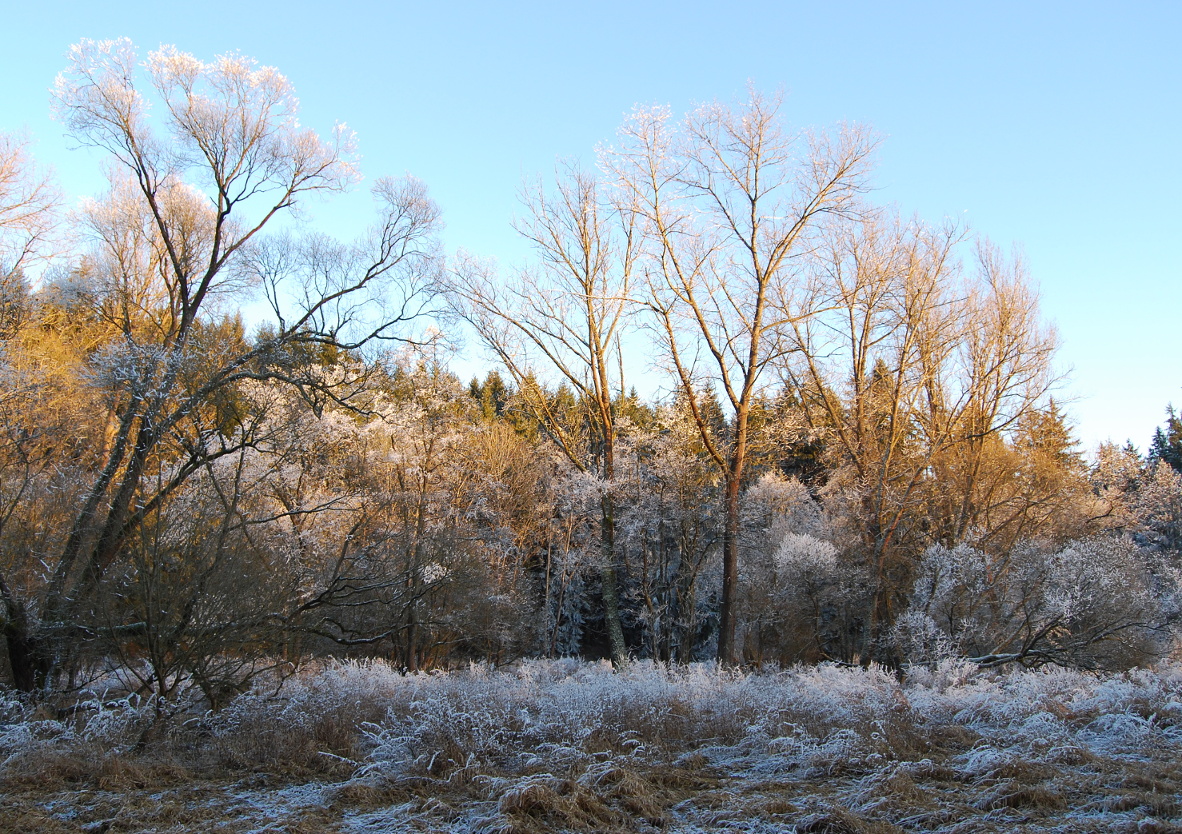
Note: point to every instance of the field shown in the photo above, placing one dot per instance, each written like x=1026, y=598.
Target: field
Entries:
x=569, y=746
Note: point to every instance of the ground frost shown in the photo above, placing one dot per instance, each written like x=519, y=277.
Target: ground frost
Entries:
x=567, y=746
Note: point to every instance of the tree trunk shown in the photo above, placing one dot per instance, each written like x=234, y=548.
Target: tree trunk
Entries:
x=23, y=658
x=27, y=658
x=728, y=615
x=611, y=597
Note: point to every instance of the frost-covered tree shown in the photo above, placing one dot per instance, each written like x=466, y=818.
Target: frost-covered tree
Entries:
x=915, y=372
x=1101, y=602
x=1157, y=508
x=1136, y=497
x=28, y=208
x=196, y=179
x=438, y=518
x=798, y=584
x=670, y=530
x=563, y=318
x=729, y=201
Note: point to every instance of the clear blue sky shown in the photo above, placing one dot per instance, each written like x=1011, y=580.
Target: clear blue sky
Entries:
x=1053, y=126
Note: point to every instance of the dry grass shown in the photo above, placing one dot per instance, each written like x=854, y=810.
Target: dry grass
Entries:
x=571, y=747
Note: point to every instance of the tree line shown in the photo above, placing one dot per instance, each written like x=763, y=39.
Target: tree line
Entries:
x=231, y=443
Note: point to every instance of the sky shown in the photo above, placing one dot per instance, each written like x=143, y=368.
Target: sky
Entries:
x=1051, y=128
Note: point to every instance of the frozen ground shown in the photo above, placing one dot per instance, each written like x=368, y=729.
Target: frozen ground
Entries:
x=558, y=746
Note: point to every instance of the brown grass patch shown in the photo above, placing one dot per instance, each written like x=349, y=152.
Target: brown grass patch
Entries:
x=1013, y=794
x=538, y=807
x=839, y=820
x=52, y=770
x=365, y=796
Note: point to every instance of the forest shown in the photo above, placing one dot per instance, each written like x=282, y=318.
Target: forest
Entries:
x=232, y=443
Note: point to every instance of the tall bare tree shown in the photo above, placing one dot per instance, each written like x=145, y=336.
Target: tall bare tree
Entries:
x=563, y=317
x=729, y=201
x=914, y=370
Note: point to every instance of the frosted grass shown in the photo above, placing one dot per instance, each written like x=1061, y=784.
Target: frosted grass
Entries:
x=565, y=745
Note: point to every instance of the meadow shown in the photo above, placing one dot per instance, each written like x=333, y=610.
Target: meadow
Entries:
x=565, y=745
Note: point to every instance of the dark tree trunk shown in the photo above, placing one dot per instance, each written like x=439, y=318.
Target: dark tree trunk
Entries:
x=728, y=615
x=27, y=656
x=611, y=595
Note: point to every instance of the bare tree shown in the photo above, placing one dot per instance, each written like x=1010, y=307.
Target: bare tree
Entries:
x=729, y=203
x=28, y=206
x=565, y=316
x=29, y=225
x=181, y=227
x=914, y=373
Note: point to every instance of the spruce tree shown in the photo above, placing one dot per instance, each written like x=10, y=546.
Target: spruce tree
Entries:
x=1167, y=441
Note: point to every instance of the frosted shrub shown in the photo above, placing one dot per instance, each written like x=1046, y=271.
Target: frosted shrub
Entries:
x=320, y=710
x=12, y=709
x=96, y=732
x=116, y=725
x=1096, y=603
x=794, y=579
x=19, y=731
x=948, y=673
x=463, y=724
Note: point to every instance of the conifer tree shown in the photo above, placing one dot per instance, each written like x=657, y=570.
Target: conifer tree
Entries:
x=1167, y=441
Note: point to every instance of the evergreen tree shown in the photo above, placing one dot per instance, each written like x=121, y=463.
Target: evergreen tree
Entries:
x=1167, y=441
x=493, y=394
x=1047, y=434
